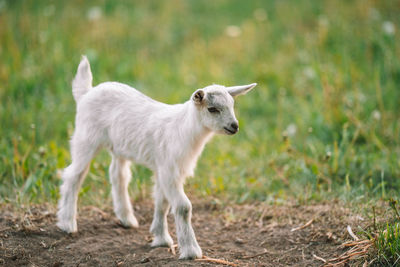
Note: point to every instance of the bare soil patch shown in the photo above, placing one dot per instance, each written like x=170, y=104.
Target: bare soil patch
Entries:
x=247, y=235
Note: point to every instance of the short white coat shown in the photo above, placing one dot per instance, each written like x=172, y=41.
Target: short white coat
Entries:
x=168, y=139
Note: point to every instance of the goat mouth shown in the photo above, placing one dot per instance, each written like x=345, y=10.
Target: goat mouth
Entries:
x=229, y=131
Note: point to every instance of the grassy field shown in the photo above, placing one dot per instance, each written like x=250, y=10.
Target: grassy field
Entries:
x=323, y=122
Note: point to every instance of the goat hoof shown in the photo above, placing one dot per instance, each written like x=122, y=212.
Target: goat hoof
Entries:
x=129, y=221
x=190, y=253
x=68, y=226
x=162, y=241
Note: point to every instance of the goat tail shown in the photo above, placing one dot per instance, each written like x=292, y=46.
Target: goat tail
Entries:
x=82, y=82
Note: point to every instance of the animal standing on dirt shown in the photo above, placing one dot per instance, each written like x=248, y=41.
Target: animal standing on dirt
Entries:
x=168, y=139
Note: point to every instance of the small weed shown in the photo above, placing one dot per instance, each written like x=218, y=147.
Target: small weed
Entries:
x=380, y=245
x=387, y=240
x=385, y=237
x=387, y=244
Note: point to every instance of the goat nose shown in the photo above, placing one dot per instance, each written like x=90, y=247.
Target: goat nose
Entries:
x=235, y=125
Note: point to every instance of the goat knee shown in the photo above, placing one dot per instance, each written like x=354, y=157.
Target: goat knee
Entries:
x=184, y=210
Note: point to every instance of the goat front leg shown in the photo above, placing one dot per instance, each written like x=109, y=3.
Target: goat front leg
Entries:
x=159, y=226
x=182, y=210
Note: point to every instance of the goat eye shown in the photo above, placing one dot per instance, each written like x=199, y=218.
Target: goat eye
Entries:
x=213, y=110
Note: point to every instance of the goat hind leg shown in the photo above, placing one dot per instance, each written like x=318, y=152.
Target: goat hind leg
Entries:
x=120, y=176
x=73, y=177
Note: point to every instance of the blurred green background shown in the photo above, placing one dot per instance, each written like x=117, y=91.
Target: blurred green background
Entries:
x=322, y=123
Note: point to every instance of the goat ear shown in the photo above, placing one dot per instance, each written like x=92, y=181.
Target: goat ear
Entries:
x=240, y=90
x=198, y=96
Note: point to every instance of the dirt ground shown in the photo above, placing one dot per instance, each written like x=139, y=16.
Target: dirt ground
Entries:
x=246, y=235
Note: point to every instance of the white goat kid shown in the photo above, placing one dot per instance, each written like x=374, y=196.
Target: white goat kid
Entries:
x=167, y=139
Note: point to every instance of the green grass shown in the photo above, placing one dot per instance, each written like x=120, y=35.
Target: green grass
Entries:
x=388, y=245
x=384, y=235
x=322, y=123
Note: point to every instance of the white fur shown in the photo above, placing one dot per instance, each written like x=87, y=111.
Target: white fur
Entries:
x=168, y=139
